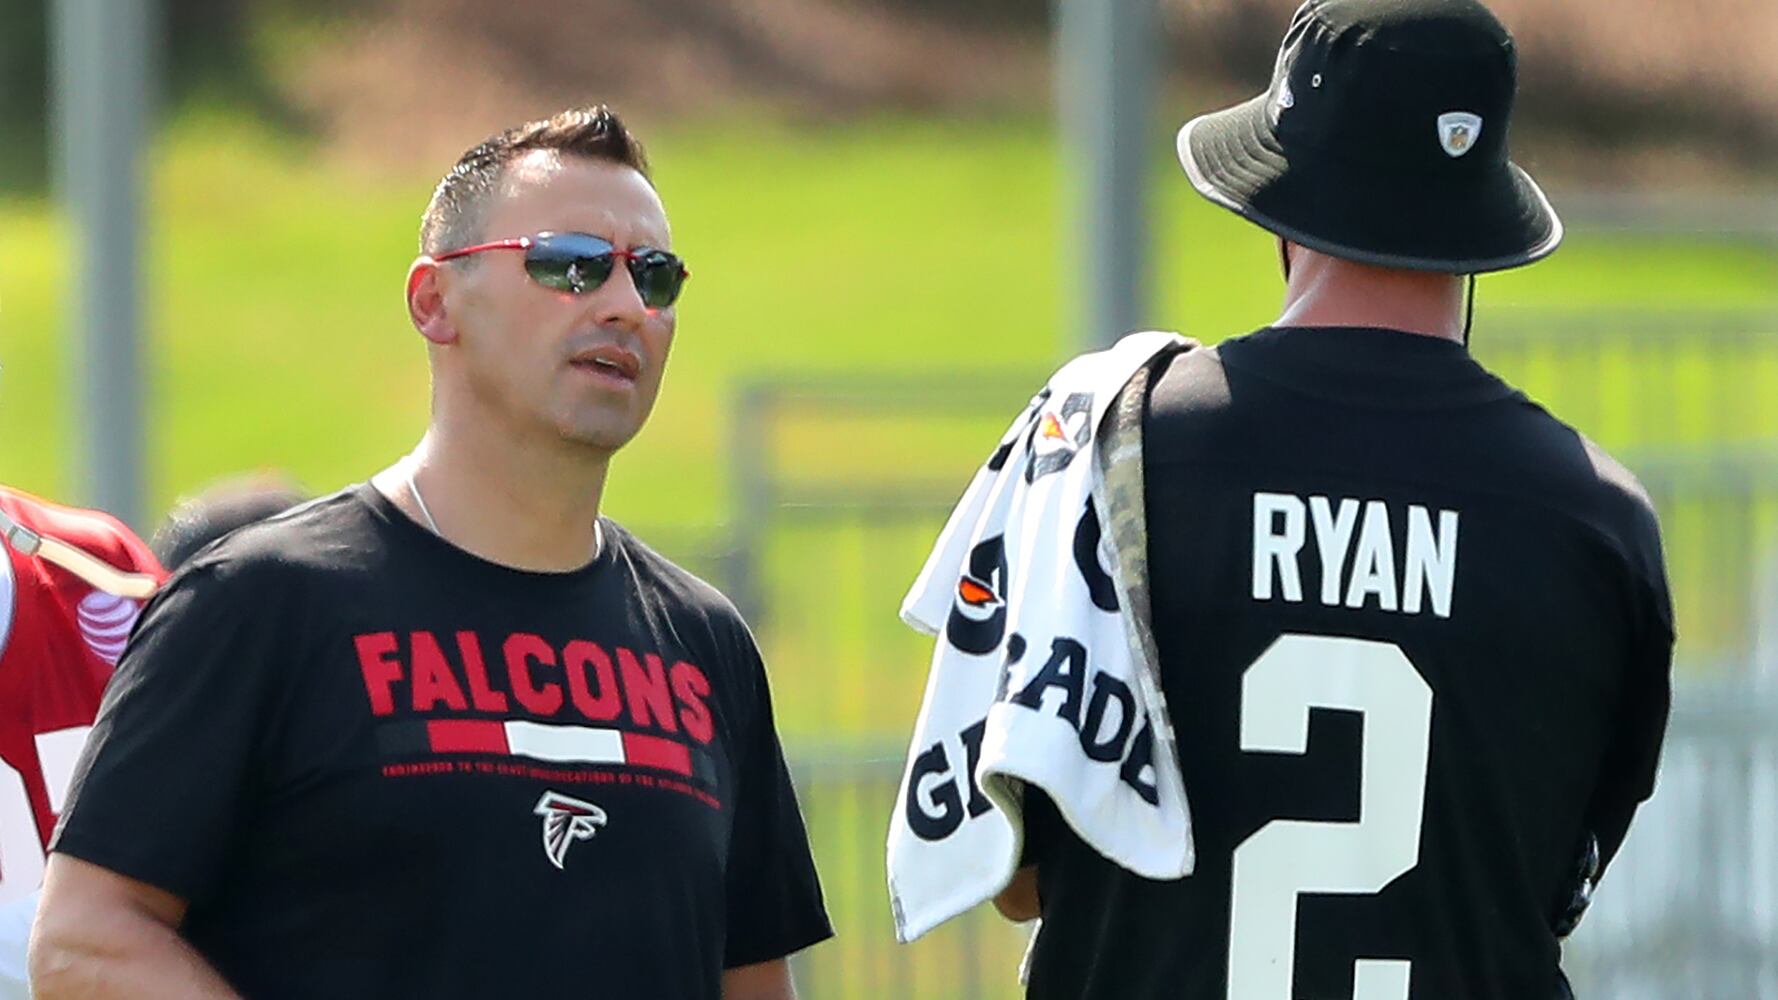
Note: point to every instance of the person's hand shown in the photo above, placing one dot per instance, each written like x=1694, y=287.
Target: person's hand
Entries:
x=1586, y=879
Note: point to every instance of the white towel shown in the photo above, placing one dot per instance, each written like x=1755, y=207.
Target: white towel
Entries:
x=1038, y=675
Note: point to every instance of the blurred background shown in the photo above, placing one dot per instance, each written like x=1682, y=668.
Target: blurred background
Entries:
x=895, y=210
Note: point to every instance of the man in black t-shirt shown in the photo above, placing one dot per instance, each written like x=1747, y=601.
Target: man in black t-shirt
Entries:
x=450, y=733
x=1414, y=632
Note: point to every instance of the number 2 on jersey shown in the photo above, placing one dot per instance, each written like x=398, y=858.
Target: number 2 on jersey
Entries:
x=1287, y=858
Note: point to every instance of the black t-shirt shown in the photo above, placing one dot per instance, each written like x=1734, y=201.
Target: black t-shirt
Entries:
x=1416, y=640
x=378, y=766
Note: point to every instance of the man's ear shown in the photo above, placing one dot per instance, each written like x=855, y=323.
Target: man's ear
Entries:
x=425, y=302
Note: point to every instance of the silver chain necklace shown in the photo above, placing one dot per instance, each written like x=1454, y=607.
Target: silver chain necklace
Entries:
x=414, y=488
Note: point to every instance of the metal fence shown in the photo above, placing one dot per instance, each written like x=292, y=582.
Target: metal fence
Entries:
x=1690, y=909
x=844, y=483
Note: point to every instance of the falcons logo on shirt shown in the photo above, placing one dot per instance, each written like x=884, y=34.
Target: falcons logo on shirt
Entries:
x=566, y=820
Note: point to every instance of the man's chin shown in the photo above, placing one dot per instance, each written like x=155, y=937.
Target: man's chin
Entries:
x=597, y=437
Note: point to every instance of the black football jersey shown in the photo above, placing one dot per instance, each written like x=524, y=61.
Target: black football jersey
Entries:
x=1416, y=642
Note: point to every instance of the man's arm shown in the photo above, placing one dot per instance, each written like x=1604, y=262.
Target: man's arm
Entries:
x=100, y=935
x=764, y=981
x=1018, y=901
x=1633, y=759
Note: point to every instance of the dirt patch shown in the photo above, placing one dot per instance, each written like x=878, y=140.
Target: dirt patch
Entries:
x=1626, y=92
x=423, y=79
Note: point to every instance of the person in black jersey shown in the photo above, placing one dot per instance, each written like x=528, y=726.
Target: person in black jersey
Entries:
x=1414, y=631
x=450, y=733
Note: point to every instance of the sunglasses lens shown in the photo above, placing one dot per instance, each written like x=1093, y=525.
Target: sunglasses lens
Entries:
x=566, y=264
x=578, y=263
x=659, y=276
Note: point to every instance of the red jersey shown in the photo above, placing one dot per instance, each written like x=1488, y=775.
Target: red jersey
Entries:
x=59, y=639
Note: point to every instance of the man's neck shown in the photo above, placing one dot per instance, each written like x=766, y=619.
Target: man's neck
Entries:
x=1327, y=292
x=529, y=508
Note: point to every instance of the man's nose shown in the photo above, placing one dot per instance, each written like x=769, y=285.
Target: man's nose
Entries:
x=618, y=302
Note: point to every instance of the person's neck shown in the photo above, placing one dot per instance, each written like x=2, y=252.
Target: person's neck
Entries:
x=1327, y=292
x=528, y=507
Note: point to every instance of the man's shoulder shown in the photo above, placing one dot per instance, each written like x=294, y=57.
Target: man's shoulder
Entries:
x=1539, y=462
x=671, y=581
x=1187, y=381
x=1188, y=397
x=325, y=535
x=1615, y=483
x=1573, y=472
x=1622, y=508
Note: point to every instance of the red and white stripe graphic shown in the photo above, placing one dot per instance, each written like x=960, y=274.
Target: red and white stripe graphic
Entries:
x=560, y=744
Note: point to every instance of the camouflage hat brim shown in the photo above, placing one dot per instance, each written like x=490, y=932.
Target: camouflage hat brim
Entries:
x=1483, y=220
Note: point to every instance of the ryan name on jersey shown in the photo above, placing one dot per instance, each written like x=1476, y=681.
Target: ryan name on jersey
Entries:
x=1354, y=542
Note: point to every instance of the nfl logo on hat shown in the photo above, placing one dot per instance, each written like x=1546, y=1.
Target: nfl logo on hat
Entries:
x=1458, y=131
x=1374, y=84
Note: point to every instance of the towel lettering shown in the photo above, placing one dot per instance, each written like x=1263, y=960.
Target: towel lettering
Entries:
x=1099, y=707
x=1067, y=670
x=937, y=814
x=1088, y=539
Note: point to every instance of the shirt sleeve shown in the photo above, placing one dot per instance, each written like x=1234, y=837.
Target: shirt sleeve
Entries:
x=1040, y=821
x=163, y=782
x=1630, y=764
x=774, y=895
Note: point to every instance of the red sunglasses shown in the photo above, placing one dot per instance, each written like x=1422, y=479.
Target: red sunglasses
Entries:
x=579, y=263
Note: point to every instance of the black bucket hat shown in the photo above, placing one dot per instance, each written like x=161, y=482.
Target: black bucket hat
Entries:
x=1383, y=140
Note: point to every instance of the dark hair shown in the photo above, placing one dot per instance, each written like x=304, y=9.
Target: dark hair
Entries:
x=235, y=503
x=454, y=215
